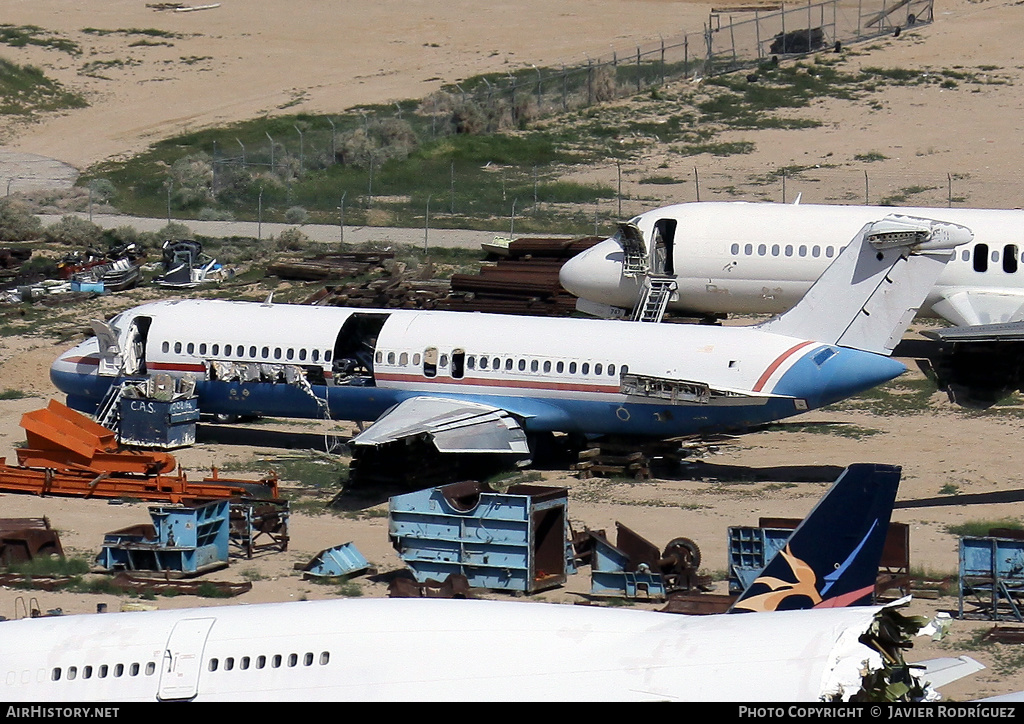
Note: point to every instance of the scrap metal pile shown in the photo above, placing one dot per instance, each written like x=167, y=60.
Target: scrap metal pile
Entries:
x=69, y=454
x=524, y=282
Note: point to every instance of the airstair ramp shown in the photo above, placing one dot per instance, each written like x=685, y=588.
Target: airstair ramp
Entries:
x=657, y=293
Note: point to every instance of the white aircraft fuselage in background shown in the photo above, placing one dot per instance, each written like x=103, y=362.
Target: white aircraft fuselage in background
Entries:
x=743, y=257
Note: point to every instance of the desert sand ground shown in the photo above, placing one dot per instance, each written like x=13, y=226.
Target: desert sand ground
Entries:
x=262, y=57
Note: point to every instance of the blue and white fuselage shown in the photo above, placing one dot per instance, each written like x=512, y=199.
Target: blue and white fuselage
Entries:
x=555, y=374
x=481, y=382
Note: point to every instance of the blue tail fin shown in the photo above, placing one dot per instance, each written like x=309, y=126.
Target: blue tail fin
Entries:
x=832, y=557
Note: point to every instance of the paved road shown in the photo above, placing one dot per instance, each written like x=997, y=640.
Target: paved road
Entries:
x=447, y=238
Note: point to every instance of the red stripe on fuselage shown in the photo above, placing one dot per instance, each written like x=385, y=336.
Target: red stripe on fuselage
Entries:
x=775, y=365
x=176, y=367
x=517, y=384
x=82, y=360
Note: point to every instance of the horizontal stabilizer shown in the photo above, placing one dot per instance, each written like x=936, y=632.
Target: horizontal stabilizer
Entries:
x=868, y=296
x=455, y=426
x=831, y=559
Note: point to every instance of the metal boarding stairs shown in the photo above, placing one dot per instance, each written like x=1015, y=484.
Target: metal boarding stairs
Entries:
x=108, y=412
x=657, y=293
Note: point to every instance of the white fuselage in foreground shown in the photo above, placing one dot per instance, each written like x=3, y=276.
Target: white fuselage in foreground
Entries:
x=742, y=257
x=433, y=650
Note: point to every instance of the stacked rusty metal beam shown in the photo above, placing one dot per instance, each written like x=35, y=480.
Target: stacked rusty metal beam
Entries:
x=330, y=266
x=396, y=292
x=69, y=454
x=524, y=282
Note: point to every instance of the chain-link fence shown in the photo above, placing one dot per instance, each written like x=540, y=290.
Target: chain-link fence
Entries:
x=728, y=42
x=271, y=166
x=828, y=185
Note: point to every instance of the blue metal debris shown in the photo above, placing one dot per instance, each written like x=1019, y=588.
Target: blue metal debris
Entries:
x=189, y=539
x=636, y=568
x=509, y=541
x=992, y=577
x=750, y=549
x=609, y=577
x=341, y=560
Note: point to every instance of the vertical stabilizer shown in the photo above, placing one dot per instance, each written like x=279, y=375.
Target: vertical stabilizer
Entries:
x=831, y=560
x=868, y=296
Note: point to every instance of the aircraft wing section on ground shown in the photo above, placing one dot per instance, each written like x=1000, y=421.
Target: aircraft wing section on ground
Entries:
x=455, y=426
x=1005, y=332
x=968, y=307
x=939, y=672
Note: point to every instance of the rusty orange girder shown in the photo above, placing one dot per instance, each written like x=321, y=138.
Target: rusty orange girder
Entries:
x=69, y=454
x=87, y=483
x=59, y=437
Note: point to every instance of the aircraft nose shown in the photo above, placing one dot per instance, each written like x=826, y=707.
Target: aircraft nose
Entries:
x=75, y=374
x=596, y=275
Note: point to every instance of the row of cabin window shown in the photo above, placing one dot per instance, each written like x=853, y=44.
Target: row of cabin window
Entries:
x=239, y=351
x=101, y=671
x=788, y=250
x=510, y=364
x=980, y=254
x=981, y=257
x=261, y=661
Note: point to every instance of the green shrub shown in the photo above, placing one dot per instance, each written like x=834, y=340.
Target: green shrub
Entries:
x=73, y=231
x=17, y=223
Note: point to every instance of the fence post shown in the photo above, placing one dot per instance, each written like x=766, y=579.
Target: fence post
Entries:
x=708, y=65
x=757, y=32
x=590, y=83
x=512, y=102
x=565, y=89
x=662, y=61
x=782, y=19
x=809, y=23
x=866, y=197
x=696, y=182
x=426, y=225
x=618, y=169
x=638, y=69
x=732, y=40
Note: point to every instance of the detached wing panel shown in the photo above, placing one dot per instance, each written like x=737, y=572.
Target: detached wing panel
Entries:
x=455, y=426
